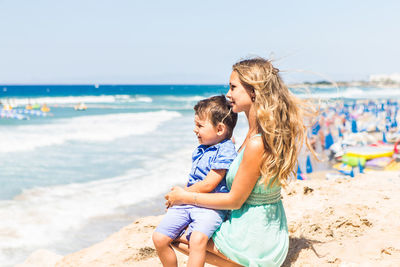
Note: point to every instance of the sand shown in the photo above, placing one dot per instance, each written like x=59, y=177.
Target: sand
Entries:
x=342, y=222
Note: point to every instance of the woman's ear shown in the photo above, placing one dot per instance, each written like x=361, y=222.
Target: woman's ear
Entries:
x=221, y=129
x=253, y=95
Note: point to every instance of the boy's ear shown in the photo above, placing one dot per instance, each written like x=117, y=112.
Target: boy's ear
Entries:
x=221, y=128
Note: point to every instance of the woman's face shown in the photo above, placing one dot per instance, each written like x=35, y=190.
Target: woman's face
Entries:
x=238, y=95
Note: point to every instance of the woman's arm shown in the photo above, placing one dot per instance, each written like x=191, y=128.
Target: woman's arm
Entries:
x=243, y=183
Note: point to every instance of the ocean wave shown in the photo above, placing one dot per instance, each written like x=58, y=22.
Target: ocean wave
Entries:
x=96, y=128
x=76, y=99
x=184, y=98
x=44, y=216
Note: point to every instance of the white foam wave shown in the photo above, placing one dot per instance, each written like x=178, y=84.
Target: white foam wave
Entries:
x=41, y=217
x=98, y=128
x=76, y=99
x=184, y=98
x=131, y=99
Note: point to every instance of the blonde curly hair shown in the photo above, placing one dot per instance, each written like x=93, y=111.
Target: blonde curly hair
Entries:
x=280, y=119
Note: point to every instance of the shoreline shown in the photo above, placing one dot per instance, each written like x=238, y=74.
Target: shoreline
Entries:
x=327, y=220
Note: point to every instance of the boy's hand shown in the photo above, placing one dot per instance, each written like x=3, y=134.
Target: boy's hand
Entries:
x=175, y=197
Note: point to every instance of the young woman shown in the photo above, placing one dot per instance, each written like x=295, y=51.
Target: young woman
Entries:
x=256, y=232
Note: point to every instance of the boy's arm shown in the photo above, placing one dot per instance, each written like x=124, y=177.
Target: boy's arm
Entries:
x=211, y=181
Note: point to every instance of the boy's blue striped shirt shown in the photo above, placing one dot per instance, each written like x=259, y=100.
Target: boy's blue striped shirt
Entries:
x=216, y=157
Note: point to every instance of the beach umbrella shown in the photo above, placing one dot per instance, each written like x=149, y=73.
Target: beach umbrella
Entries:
x=328, y=140
x=354, y=126
x=316, y=127
x=299, y=174
x=388, y=118
x=360, y=167
x=309, y=166
x=347, y=115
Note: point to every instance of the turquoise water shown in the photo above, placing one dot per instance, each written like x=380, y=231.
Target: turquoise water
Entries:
x=70, y=178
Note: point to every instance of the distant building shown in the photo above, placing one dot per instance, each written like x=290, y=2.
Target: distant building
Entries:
x=385, y=78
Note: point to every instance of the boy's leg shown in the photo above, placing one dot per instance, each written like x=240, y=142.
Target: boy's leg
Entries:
x=205, y=222
x=197, y=249
x=213, y=256
x=173, y=223
x=164, y=249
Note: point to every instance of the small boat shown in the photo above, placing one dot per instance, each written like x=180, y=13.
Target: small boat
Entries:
x=80, y=107
x=35, y=106
x=44, y=108
x=7, y=107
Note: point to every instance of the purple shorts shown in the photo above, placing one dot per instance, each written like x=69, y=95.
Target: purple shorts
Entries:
x=203, y=220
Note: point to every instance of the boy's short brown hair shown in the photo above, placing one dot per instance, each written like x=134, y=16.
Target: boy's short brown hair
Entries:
x=217, y=109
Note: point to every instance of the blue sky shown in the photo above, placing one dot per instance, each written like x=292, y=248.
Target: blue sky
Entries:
x=191, y=42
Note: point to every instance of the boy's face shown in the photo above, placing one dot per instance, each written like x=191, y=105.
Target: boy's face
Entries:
x=206, y=132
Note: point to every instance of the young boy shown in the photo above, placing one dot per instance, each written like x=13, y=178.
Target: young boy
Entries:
x=214, y=124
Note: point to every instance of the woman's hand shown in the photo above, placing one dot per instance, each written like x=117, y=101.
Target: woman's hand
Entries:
x=175, y=197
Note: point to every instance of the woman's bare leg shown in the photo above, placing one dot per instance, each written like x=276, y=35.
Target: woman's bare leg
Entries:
x=213, y=256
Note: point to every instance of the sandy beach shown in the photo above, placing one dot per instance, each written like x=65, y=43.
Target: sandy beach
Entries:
x=98, y=123
x=342, y=222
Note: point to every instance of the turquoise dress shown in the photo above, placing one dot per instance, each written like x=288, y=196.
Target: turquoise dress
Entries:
x=257, y=233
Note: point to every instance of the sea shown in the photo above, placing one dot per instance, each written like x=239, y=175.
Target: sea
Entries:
x=71, y=178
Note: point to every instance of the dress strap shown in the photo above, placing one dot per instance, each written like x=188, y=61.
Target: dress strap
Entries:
x=242, y=149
